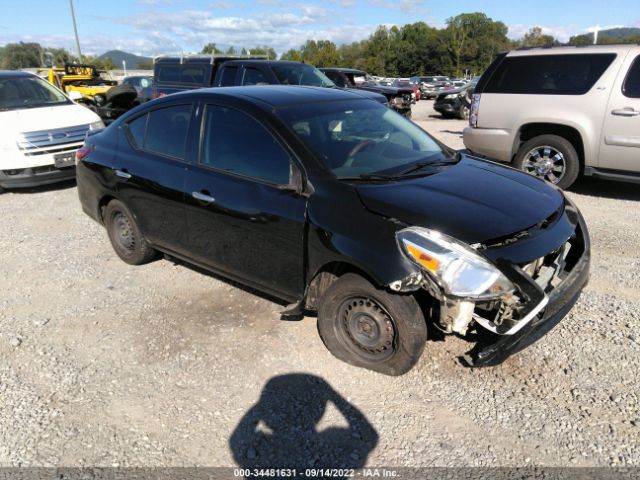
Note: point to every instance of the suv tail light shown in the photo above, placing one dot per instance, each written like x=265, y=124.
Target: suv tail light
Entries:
x=475, y=107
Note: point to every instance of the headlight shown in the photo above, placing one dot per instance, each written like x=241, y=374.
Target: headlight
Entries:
x=453, y=265
x=451, y=96
x=96, y=125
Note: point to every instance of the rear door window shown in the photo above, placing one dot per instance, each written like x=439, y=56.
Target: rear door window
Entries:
x=228, y=76
x=166, y=131
x=236, y=143
x=573, y=74
x=192, y=75
x=253, y=76
x=631, y=87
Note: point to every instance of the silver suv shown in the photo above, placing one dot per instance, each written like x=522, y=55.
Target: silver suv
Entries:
x=559, y=112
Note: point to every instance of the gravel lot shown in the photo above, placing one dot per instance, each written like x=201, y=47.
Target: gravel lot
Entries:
x=110, y=365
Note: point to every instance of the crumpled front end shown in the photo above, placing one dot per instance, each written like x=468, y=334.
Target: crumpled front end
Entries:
x=542, y=271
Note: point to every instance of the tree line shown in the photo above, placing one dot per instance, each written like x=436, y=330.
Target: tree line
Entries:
x=466, y=45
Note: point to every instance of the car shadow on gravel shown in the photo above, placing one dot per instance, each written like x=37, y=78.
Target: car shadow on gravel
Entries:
x=596, y=187
x=44, y=188
x=281, y=430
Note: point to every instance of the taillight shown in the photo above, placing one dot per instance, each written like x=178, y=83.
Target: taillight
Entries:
x=83, y=152
x=473, y=111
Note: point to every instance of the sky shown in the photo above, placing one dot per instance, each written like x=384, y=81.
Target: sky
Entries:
x=154, y=27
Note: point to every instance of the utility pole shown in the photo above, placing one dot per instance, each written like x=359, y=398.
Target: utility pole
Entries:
x=75, y=29
x=595, y=35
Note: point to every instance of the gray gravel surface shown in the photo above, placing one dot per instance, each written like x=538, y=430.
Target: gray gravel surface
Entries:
x=106, y=364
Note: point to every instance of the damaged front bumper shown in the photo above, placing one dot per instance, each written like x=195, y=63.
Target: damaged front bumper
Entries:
x=548, y=306
x=547, y=267
x=560, y=302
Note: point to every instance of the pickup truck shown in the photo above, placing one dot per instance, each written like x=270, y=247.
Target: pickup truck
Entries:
x=175, y=74
x=399, y=98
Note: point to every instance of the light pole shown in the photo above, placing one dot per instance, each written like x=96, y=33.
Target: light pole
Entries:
x=75, y=30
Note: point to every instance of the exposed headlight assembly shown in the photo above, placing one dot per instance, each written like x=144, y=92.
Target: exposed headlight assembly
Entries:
x=457, y=268
x=96, y=125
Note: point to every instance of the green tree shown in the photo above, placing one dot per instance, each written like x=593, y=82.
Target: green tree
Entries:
x=473, y=40
x=292, y=55
x=14, y=56
x=535, y=38
x=268, y=51
x=321, y=53
x=210, y=48
x=145, y=65
x=231, y=51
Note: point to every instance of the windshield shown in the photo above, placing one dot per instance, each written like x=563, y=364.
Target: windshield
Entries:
x=301, y=75
x=360, y=138
x=28, y=92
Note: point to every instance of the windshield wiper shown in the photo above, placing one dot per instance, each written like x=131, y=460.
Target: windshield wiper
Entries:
x=370, y=176
x=420, y=165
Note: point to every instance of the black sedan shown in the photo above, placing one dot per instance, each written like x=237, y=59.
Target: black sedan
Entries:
x=344, y=208
x=455, y=102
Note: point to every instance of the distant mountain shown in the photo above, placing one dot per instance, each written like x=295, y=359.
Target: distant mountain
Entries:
x=613, y=34
x=117, y=56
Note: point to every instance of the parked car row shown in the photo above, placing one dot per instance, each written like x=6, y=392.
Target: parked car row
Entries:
x=296, y=184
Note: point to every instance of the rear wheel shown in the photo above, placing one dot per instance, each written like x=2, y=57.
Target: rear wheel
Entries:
x=551, y=158
x=125, y=236
x=371, y=328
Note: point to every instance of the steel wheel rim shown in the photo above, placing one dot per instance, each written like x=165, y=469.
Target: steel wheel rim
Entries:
x=123, y=232
x=545, y=162
x=366, y=329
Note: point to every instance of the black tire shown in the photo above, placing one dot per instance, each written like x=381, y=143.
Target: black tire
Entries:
x=463, y=113
x=125, y=236
x=121, y=95
x=371, y=328
x=525, y=159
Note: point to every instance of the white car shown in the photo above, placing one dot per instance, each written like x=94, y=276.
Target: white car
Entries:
x=40, y=130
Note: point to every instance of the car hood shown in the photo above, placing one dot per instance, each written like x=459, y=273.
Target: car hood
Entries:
x=473, y=201
x=13, y=122
x=368, y=94
x=385, y=89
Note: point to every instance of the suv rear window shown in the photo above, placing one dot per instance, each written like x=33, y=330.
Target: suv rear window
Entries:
x=572, y=74
x=186, y=74
x=631, y=87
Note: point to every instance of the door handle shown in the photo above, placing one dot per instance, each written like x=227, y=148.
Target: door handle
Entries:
x=203, y=197
x=625, y=112
x=123, y=174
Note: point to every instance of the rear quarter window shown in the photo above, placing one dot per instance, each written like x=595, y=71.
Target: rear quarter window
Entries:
x=573, y=74
x=166, y=131
x=136, y=128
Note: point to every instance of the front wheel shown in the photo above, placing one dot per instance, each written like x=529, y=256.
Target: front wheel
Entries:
x=551, y=158
x=371, y=328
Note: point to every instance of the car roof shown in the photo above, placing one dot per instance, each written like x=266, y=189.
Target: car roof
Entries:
x=16, y=73
x=274, y=95
x=258, y=61
x=573, y=50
